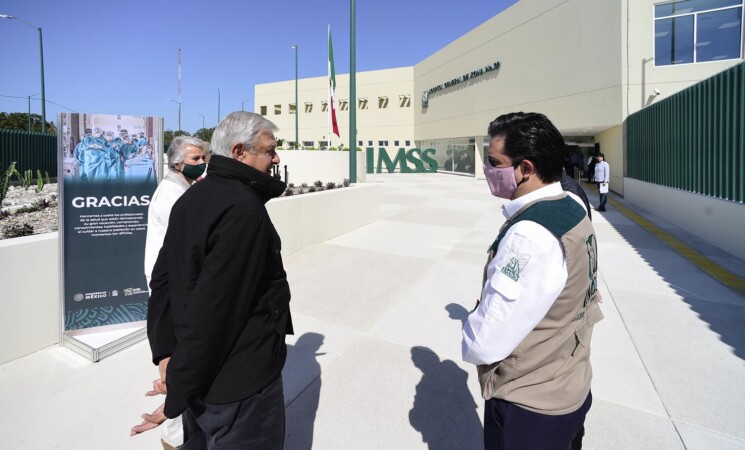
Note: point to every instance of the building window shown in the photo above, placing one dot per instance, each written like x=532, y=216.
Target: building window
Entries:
x=382, y=102
x=308, y=144
x=362, y=103
x=263, y=110
x=343, y=105
x=292, y=108
x=404, y=101
x=408, y=143
x=694, y=31
x=369, y=143
x=395, y=143
x=308, y=107
x=382, y=143
x=277, y=110
x=324, y=106
x=359, y=143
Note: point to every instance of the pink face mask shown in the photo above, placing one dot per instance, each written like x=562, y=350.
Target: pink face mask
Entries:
x=501, y=181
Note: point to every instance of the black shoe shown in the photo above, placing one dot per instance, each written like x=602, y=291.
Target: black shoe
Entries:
x=601, y=209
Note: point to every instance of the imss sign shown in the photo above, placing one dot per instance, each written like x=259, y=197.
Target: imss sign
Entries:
x=419, y=158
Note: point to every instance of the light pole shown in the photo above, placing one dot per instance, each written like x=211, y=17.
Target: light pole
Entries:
x=218, y=105
x=179, y=111
x=29, y=111
x=297, y=106
x=41, y=55
x=243, y=102
x=202, y=119
x=352, y=94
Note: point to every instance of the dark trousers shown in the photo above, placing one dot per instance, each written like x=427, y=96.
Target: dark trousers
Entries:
x=509, y=427
x=603, y=200
x=257, y=422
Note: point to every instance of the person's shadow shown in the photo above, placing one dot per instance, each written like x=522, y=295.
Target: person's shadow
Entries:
x=303, y=373
x=444, y=410
x=457, y=312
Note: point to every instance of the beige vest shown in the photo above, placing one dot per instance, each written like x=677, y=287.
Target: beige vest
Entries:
x=549, y=372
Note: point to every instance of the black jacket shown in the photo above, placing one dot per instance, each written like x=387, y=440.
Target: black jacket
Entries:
x=220, y=299
x=569, y=184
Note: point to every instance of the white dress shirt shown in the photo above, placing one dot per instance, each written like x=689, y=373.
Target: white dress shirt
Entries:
x=511, y=308
x=602, y=172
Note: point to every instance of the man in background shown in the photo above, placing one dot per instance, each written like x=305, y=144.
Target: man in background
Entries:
x=602, y=178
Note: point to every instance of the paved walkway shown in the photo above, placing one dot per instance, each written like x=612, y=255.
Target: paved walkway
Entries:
x=376, y=361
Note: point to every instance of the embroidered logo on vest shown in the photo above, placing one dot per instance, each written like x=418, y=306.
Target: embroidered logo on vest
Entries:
x=592, y=253
x=515, y=265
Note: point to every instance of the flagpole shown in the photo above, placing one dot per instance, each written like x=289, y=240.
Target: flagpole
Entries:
x=352, y=94
x=328, y=94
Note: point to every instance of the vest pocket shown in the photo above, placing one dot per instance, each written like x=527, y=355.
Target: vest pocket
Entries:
x=583, y=332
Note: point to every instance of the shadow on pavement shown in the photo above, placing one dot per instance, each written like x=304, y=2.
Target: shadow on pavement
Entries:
x=457, y=312
x=700, y=291
x=444, y=411
x=302, y=368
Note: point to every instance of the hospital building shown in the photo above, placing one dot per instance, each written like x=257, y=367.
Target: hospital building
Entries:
x=586, y=64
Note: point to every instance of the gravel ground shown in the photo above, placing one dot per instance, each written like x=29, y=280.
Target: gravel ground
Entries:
x=42, y=221
x=46, y=220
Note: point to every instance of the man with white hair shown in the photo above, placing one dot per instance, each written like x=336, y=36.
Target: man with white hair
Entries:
x=219, y=309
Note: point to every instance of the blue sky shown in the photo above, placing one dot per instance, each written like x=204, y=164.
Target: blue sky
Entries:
x=122, y=57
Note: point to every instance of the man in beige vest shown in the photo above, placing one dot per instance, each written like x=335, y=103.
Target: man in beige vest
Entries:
x=530, y=332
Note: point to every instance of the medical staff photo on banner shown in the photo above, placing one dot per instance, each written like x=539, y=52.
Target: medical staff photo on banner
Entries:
x=109, y=168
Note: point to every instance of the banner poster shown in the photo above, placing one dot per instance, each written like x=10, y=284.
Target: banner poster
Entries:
x=110, y=166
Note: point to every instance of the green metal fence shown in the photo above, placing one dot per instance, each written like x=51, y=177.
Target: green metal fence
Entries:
x=31, y=151
x=693, y=140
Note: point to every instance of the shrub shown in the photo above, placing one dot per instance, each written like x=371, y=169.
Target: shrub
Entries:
x=288, y=192
x=26, y=178
x=347, y=182
x=5, y=180
x=330, y=185
x=39, y=181
x=318, y=183
x=305, y=185
x=13, y=231
x=4, y=214
x=312, y=189
x=291, y=185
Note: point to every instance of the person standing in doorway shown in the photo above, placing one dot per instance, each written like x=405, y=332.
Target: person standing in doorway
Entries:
x=602, y=177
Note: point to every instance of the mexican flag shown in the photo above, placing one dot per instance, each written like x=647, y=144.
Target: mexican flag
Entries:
x=332, y=89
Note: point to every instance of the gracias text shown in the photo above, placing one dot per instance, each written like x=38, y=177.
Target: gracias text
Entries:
x=116, y=201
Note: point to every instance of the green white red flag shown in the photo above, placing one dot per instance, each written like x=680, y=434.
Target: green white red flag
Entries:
x=332, y=89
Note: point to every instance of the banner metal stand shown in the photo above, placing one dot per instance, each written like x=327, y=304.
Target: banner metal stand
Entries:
x=96, y=352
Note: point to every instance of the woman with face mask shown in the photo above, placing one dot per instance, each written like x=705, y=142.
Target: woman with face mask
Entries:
x=187, y=161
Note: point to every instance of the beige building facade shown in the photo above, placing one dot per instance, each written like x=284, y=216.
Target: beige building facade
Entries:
x=586, y=64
